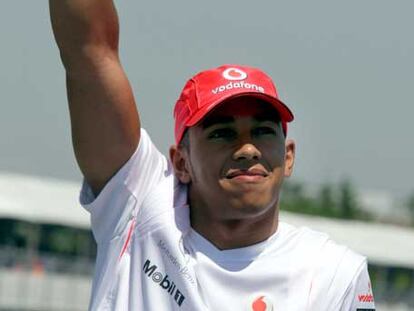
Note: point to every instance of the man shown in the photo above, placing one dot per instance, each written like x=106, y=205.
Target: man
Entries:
x=201, y=231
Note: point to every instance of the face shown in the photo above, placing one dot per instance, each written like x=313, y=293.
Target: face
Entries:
x=235, y=161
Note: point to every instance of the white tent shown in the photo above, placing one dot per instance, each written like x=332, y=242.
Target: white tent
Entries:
x=383, y=244
x=41, y=200
x=46, y=200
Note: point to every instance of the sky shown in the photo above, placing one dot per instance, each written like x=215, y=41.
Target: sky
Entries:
x=346, y=69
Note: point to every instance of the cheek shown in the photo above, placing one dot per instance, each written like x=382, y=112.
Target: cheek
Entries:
x=274, y=155
x=278, y=174
x=205, y=167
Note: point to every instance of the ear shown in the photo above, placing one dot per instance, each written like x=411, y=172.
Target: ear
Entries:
x=290, y=150
x=179, y=158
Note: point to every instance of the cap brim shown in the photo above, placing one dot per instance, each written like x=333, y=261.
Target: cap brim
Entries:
x=284, y=112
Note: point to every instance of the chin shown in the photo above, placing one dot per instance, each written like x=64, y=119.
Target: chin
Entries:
x=251, y=207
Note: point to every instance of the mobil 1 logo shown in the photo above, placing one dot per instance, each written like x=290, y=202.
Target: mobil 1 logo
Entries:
x=151, y=271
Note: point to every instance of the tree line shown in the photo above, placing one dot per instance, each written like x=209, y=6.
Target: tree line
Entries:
x=334, y=200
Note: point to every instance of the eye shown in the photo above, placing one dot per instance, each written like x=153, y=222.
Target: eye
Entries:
x=263, y=131
x=222, y=133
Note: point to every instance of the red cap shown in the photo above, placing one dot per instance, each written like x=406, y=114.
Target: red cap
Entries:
x=207, y=89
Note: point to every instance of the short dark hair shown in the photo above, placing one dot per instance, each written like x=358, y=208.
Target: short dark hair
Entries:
x=185, y=140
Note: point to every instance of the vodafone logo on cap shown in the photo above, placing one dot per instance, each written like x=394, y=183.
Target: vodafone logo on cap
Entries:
x=234, y=74
x=236, y=77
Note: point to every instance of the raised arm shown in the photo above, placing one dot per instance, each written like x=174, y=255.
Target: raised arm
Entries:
x=104, y=118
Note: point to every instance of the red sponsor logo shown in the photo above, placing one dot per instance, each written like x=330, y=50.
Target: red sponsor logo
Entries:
x=366, y=298
x=262, y=304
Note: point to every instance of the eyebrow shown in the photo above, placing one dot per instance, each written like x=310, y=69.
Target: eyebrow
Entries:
x=213, y=120
x=216, y=120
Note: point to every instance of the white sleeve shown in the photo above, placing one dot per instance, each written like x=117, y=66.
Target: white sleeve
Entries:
x=122, y=196
x=359, y=294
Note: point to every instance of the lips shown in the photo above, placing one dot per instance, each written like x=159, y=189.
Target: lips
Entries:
x=249, y=172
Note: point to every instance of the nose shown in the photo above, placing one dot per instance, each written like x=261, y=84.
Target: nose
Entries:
x=247, y=151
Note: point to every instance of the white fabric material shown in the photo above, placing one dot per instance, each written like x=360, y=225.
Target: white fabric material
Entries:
x=150, y=259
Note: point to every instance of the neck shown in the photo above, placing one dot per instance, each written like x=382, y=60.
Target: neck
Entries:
x=236, y=233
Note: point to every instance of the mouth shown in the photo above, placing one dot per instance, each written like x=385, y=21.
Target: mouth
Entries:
x=249, y=174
